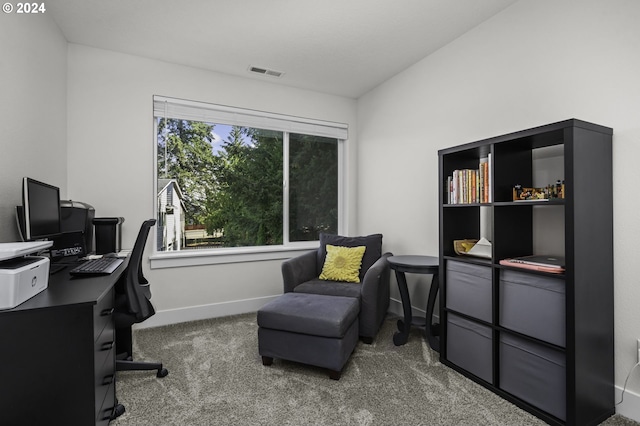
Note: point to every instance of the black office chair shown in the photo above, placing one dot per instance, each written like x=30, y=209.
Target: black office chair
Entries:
x=133, y=306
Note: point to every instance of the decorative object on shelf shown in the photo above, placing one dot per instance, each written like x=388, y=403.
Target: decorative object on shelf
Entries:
x=478, y=248
x=481, y=249
x=539, y=194
x=463, y=246
x=522, y=194
x=557, y=191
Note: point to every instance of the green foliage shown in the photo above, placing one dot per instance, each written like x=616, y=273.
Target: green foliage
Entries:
x=188, y=158
x=313, y=192
x=248, y=204
x=237, y=192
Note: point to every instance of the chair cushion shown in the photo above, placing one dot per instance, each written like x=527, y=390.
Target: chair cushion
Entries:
x=342, y=263
x=312, y=314
x=373, y=251
x=329, y=288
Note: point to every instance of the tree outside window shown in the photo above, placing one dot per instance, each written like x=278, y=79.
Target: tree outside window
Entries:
x=231, y=180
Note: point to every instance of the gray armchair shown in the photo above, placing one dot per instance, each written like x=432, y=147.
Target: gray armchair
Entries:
x=300, y=274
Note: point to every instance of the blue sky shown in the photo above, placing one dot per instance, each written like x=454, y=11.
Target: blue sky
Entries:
x=220, y=134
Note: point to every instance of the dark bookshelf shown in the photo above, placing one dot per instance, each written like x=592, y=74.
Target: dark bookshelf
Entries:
x=578, y=227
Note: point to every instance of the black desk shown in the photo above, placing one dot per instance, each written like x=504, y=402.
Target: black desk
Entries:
x=57, y=354
x=416, y=265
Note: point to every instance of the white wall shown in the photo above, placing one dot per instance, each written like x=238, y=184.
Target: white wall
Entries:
x=110, y=153
x=33, y=111
x=537, y=62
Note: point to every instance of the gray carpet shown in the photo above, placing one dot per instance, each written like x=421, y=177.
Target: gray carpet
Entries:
x=216, y=377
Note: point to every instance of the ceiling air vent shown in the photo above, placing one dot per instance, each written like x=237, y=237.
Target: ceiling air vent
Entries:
x=266, y=71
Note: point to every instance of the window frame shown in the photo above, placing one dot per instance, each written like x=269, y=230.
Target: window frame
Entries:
x=266, y=120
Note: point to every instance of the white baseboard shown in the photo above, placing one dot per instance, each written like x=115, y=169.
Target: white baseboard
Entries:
x=235, y=307
x=630, y=406
x=213, y=310
x=395, y=307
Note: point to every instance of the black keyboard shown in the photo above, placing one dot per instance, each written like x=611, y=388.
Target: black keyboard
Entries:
x=102, y=266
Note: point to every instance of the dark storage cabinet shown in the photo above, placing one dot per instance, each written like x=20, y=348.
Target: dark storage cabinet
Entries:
x=542, y=341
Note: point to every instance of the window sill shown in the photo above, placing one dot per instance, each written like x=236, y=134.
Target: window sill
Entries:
x=177, y=259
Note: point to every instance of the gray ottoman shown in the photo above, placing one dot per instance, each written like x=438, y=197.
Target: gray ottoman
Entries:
x=311, y=329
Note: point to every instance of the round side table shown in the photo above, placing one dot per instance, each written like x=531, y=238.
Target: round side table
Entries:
x=416, y=265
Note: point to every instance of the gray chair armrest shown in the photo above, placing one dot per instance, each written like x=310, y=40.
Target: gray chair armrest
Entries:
x=299, y=269
x=374, y=297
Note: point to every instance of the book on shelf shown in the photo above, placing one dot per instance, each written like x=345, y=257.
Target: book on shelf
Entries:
x=469, y=186
x=489, y=167
x=553, y=264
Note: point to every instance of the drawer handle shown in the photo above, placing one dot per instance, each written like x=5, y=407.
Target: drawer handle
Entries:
x=107, y=312
x=107, y=346
x=108, y=379
x=114, y=412
x=108, y=413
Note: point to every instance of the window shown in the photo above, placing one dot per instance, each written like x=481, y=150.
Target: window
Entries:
x=313, y=186
x=229, y=178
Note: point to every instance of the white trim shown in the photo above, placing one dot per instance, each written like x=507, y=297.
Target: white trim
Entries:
x=343, y=205
x=395, y=307
x=175, y=259
x=212, y=113
x=165, y=107
x=285, y=189
x=630, y=406
x=213, y=310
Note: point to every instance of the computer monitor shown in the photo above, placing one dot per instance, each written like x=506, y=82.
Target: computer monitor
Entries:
x=41, y=210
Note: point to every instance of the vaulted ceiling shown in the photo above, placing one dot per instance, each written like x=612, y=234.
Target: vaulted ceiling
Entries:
x=341, y=47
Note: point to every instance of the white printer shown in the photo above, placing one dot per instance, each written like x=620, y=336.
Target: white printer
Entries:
x=22, y=276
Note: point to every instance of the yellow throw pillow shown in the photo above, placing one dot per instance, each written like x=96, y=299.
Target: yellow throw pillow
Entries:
x=342, y=264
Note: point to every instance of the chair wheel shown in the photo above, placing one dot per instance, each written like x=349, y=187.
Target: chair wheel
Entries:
x=162, y=372
x=118, y=410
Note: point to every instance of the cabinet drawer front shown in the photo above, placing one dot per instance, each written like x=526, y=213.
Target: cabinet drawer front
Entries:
x=534, y=305
x=534, y=373
x=105, y=376
x=103, y=313
x=104, y=348
x=469, y=345
x=469, y=289
x=106, y=406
